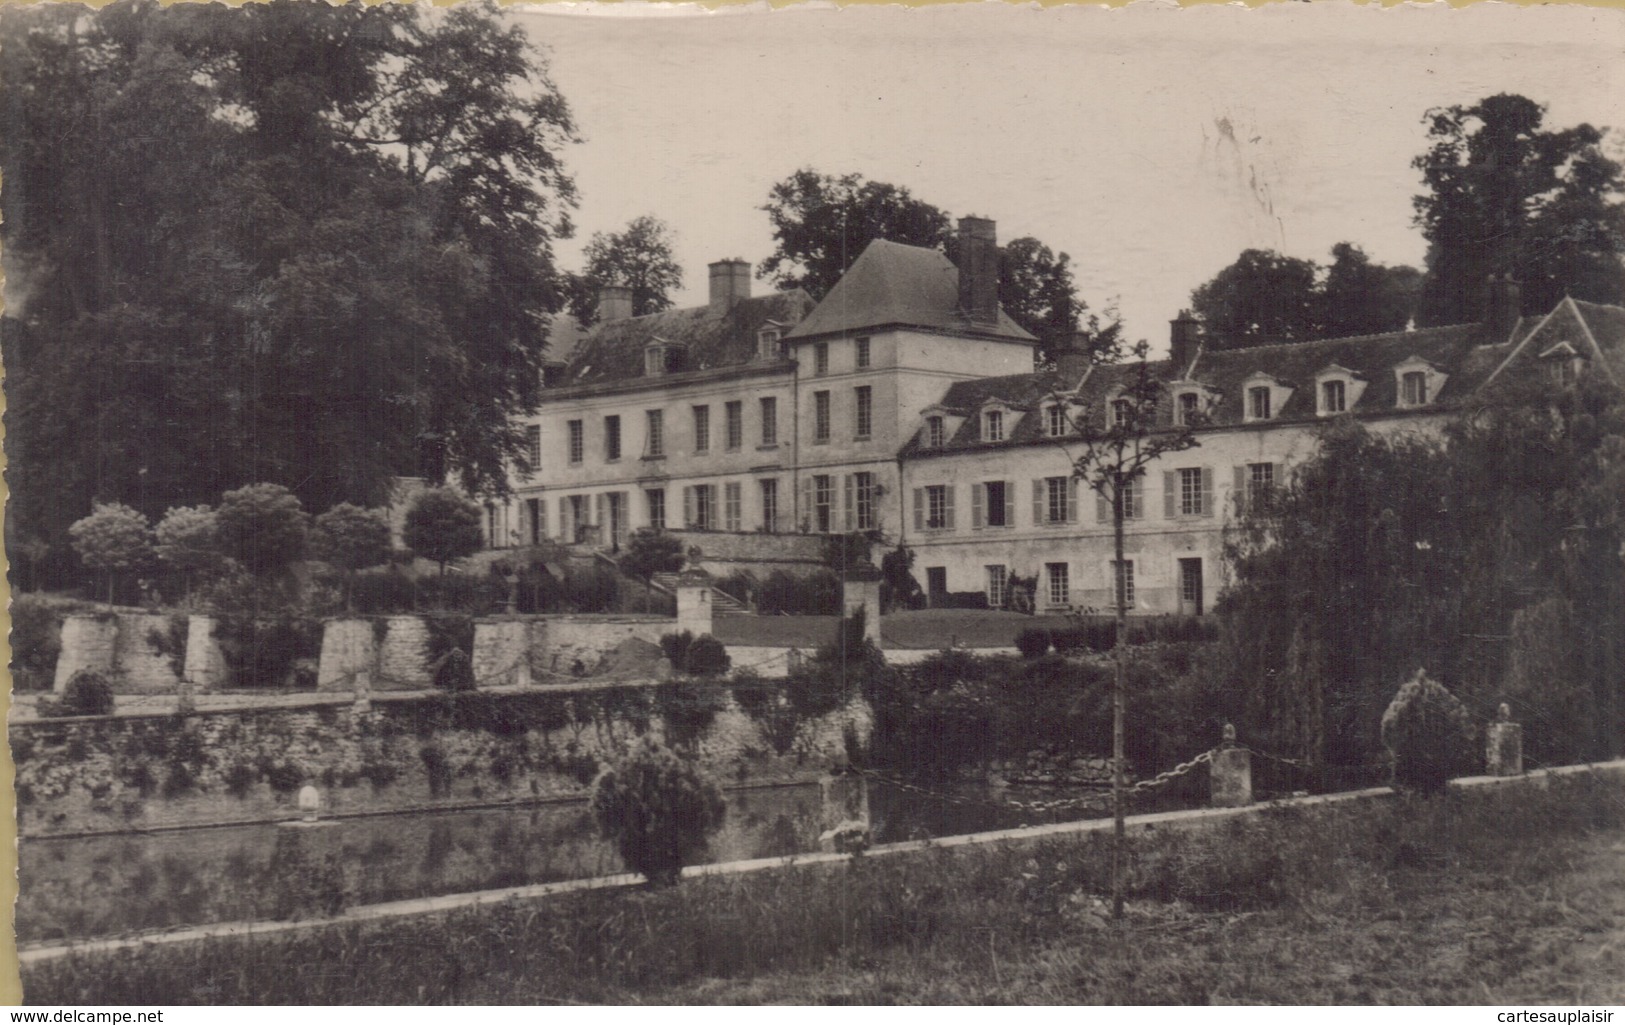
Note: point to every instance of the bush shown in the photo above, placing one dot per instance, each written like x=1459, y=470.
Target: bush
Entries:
x=388, y=593
x=1032, y=642
x=658, y=809
x=263, y=527
x=675, y=647
x=1429, y=735
x=442, y=526
x=783, y=594
x=706, y=657
x=87, y=693
x=459, y=594
x=455, y=672
x=959, y=600
x=592, y=589
x=36, y=640
x=189, y=541
x=649, y=552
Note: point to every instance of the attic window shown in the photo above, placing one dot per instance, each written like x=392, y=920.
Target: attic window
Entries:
x=934, y=432
x=1413, y=388
x=993, y=425
x=1258, y=403
x=1563, y=365
x=1333, y=397
x=654, y=360
x=1122, y=412
x=767, y=343
x=1190, y=406
x=1055, y=420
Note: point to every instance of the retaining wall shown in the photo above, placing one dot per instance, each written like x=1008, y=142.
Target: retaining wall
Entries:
x=398, y=752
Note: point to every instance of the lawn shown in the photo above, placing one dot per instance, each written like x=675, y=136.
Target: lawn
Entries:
x=932, y=629
x=1506, y=895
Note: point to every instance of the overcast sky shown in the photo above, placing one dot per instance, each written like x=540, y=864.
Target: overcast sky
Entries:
x=1151, y=143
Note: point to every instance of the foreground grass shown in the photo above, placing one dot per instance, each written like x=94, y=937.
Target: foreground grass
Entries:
x=1507, y=895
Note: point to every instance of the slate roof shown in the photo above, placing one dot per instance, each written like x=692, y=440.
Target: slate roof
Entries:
x=1458, y=352
x=613, y=351
x=894, y=284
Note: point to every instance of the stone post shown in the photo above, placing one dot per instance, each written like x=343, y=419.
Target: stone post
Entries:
x=1231, y=773
x=860, y=589
x=349, y=646
x=205, y=665
x=1503, y=745
x=694, y=602
x=310, y=803
x=844, y=810
x=88, y=643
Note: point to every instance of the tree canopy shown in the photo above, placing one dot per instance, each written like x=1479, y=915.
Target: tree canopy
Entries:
x=1265, y=297
x=330, y=240
x=1505, y=195
x=638, y=257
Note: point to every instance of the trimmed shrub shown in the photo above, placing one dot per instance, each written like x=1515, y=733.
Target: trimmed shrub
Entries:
x=816, y=594
x=1032, y=642
x=442, y=526
x=707, y=657
x=959, y=600
x=658, y=809
x=87, y=693
x=111, y=540
x=263, y=527
x=1429, y=735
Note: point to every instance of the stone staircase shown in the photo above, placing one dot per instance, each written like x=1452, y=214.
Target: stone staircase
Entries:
x=722, y=603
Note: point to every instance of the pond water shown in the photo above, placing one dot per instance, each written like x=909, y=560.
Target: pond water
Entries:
x=77, y=888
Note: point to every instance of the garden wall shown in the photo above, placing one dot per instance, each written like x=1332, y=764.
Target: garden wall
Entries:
x=400, y=752
x=725, y=553
x=140, y=652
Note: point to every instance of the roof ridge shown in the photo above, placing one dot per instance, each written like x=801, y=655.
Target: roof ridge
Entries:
x=1342, y=338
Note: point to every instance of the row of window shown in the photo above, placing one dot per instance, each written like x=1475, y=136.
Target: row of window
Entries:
x=1187, y=492
x=654, y=434
x=861, y=356
x=1054, y=585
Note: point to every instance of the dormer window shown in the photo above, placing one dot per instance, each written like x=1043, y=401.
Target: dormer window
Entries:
x=1417, y=383
x=1258, y=402
x=1055, y=424
x=1122, y=412
x=1413, y=388
x=935, y=434
x=993, y=425
x=1263, y=397
x=1186, y=408
x=1337, y=390
x=1563, y=365
x=662, y=357
x=1333, y=397
x=767, y=342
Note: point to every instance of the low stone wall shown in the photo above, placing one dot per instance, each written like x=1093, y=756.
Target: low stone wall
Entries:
x=399, y=752
x=562, y=646
x=138, y=652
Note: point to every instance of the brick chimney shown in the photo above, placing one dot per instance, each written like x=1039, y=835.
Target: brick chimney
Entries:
x=614, y=303
x=1072, y=361
x=979, y=271
x=1503, y=310
x=730, y=282
x=1184, y=333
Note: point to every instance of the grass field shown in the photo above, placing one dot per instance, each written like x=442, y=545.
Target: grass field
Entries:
x=1505, y=895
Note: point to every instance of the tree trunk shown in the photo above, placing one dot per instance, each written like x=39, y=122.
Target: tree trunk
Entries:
x=1119, y=837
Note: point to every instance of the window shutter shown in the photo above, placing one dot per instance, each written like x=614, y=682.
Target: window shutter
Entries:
x=948, y=506
x=847, y=502
x=805, y=485
x=603, y=515
x=1170, y=493
x=688, y=506
x=1009, y=503
x=1103, y=509
x=541, y=517
x=1241, y=490
x=1072, y=500
x=1207, y=491
x=977, y=493
x=919, y=508
x=1038, y=502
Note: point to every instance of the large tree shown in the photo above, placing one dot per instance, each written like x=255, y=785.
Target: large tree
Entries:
x=1265, y=298
x=638, y=257
x=1504, y=195
x=330, y=238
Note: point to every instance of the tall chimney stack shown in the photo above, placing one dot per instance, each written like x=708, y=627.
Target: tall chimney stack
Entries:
x=1072, y=361
x=1503, y=310
x=614, y=303
x=979, y=271
x=730, y=282
x=1183, y=333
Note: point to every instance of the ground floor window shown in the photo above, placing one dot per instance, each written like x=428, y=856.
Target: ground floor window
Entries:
x=823, y=503
x=864, y=486
x=700, y=507
x=657, y=507
x=1060, y=588
x=770, y=505
x=1125, y=582
x=998, y=586
x=732, y=506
